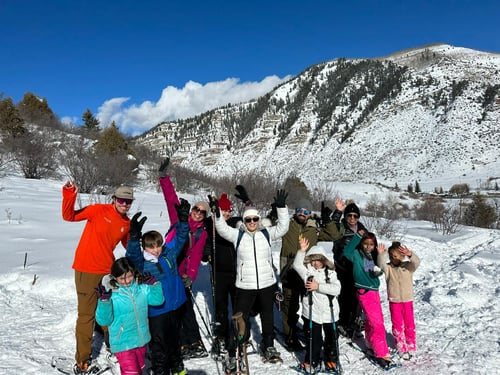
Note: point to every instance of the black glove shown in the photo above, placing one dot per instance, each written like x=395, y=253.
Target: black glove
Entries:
x=149, y=279
x=102, y=293
x=186, y=280
x=162, y=171
x=280, y=198
x=214, y=205
x=326, y=214
x=183, y=210
x=273, y=214
x=136, y=226
x=242, y=194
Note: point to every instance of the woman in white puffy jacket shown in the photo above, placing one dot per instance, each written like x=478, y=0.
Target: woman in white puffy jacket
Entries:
x=319, y=305
x=255, y=279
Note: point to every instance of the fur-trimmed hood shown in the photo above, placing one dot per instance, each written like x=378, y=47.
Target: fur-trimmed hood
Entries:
x=318, y=253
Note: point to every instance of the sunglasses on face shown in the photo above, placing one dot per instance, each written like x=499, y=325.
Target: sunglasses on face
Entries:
x=352, y=215
x=124, y=200
x=197, y=209
x=250, y=219
x=303, y=211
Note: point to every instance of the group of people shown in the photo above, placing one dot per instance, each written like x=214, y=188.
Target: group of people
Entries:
x=144, y=301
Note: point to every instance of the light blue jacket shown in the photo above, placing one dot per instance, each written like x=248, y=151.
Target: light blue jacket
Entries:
x=126, y=315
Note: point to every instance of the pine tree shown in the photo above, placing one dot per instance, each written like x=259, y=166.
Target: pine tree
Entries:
x=36, y=110
x=11, y=123
x=417, y=187
x=111, y=141
x=89, y=120
x=410, y=188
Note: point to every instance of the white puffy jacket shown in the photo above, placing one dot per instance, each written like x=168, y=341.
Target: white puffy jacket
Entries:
x=254, y=261
x=321, y=312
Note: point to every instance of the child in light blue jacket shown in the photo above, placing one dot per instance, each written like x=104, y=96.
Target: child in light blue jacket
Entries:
x=123, y=307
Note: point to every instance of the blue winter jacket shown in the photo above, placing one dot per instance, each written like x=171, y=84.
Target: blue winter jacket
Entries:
x=165, y=271
x=126, y=315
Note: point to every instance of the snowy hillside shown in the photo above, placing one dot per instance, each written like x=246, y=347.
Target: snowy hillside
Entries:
x=456, y=306
x=430, y=114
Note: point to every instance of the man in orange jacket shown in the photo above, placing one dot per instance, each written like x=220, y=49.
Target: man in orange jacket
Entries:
x=107, y=225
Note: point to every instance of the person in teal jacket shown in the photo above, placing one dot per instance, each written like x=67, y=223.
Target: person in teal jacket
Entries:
x=154, y=254
x=123, y=306
x=366, y=281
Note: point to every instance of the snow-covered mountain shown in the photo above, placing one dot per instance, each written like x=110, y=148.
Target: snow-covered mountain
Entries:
x=429, y=114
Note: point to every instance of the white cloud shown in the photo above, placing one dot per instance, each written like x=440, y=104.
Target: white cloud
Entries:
x=174, y=103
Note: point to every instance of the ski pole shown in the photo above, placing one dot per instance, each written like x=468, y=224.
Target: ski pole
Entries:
x=310, y=278
x=209, y=333
x=335, y=337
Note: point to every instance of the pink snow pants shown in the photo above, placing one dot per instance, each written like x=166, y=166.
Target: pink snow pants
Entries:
x=403, y=326
x=132, y=361
x=369, y=301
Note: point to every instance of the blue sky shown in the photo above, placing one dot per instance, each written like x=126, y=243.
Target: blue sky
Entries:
x=143, y=62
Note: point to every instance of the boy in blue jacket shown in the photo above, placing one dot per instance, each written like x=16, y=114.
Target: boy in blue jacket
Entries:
x=158, y=257
x=123, y=307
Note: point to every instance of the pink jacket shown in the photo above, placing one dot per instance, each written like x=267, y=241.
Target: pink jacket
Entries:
x=194, y=248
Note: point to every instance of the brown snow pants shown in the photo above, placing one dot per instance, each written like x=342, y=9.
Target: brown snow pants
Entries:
x=85, y=284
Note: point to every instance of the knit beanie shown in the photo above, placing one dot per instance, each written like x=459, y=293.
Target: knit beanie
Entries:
x=304, y=203
x=250, y=210
x=351, y=208
x=224, y=203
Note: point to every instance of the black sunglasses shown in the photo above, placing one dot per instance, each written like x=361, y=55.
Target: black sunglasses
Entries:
x=124, y=200
x=250, y=219
x=197, y=209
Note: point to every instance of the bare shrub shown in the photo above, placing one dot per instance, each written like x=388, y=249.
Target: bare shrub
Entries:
x=431, y=209
x=34, y=154
x=449, y=221
x=93, y=172
x=479, y=213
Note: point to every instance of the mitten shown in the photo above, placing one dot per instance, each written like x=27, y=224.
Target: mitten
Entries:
x=162, y=171
x=136, y=226
x=242, y=194
x=102, y=293
x=326, y=214
x=280, y=198
x=149, y=279
x=183, y=210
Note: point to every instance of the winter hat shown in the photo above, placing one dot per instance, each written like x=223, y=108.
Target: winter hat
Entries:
x=224, y=203
x=125, y=192
x=304, y=203
x=318, y=253
x=250, y=210
x=203, y=205
x=351, y=208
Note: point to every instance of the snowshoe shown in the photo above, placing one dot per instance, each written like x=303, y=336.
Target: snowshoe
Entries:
x=271, y=355
x=197, y=350
x=218, y=350
x=305, y=368
x=331, y=368
x=384, y=363
x=229, y=365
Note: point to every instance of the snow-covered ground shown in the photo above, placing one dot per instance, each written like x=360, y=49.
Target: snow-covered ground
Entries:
x=456, y=305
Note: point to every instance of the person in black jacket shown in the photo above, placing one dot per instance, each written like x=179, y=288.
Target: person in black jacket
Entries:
x=350, y=319
x=222, y=259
